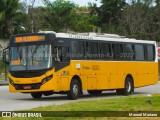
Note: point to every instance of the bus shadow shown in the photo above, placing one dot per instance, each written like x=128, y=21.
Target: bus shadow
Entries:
x=98, y=96
x=140, y=93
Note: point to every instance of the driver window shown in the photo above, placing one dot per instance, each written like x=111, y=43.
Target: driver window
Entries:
x=62, y=54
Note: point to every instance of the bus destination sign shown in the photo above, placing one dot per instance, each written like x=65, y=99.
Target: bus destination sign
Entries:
x=29, y=38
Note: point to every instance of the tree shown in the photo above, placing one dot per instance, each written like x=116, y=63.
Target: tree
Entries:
x=141, y=20
x=32, y=15
x=85, y=21
x=11, y=11
x=60, y=15
x=21, y=20
x=109, y=12
x=94, y=18
x=2, y=14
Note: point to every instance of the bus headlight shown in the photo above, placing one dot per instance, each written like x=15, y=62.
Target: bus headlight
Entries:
x=46, y=79
x=11, y=82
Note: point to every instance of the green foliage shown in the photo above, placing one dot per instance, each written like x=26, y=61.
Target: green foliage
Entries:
x=60, y=15
x=109, y=11
x=21, y=21
x=13, y=18
x=138, y=19
x=141, y=20
x=132, y=103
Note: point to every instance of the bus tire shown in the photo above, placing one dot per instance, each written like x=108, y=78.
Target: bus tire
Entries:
x=74, y=92
x=94, y=92
x=128, y=87
x=36, y=95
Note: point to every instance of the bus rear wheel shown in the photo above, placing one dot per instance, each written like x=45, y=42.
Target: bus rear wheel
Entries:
x=128, y=87
x=36, y=95
x=74, y=92
x=95, y=92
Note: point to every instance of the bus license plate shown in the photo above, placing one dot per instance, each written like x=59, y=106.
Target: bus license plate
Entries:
x=27, y=87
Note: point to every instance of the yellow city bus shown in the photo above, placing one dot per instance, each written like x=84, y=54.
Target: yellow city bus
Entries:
x=46, y=63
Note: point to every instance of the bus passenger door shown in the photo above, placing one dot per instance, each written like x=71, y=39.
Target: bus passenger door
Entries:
x=62, y=60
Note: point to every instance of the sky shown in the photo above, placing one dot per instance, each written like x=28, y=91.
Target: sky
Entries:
x=78, y=2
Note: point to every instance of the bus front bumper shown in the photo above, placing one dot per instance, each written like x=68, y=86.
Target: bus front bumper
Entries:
x=32, y=84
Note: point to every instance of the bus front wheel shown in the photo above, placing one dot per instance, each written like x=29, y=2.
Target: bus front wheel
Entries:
x=36, y=95
x=128, y=87
x=74, y=92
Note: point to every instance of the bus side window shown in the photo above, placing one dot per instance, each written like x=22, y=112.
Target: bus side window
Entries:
x=117, y=51
x=92, y=51
x=105, y=51
x=65, y=54
x=62, y=54
x=151, y=53
x=55, y=55
x=77, y=50
x=139, y=52
x=145, y=52
x=128, y=52
x=87, y=50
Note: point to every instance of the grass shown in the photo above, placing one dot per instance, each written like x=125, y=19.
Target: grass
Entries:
x=2, y=70
x=131, y=103
x=2, y=66
x=2, y=76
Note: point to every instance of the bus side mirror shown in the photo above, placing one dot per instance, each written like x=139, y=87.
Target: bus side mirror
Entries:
x=6, y=55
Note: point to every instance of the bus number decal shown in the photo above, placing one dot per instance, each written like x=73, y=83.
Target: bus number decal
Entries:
x=95, y=67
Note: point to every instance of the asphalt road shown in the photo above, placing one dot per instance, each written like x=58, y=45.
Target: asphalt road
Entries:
x=18, y=101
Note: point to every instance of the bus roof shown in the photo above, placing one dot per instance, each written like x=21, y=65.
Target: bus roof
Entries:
x=95, y=36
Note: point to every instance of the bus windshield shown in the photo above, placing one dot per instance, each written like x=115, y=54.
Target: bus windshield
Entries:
x=32, y=57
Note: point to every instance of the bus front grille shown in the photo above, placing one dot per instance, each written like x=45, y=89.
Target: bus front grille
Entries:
x=27, y=86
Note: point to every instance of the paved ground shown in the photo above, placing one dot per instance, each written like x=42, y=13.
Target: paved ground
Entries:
x=18, y=101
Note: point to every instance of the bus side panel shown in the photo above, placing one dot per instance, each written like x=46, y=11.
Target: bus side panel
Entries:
x=63, y=80
x=110, y=75
x=152, y=73
x=127, y=68
x=102, y=77
x=142, y=73
x=109, y=71
x=155, y=75
x=147, y=73
x=80, y=68
x=100, y=74
x=96, y=74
